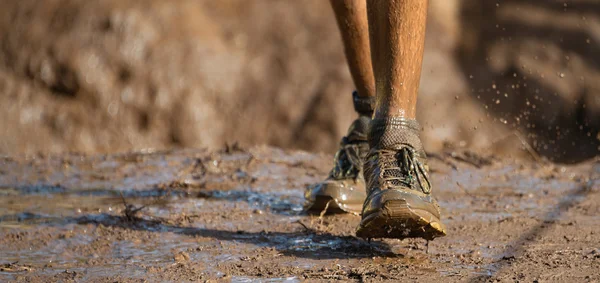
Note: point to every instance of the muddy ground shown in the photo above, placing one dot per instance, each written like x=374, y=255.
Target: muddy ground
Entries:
x=236, y=215
x=499, y=77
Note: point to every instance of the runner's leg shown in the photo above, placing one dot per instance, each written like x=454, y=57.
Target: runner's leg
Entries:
x=399, y=203
x=344, y=188
x=351, y=16
x=397, y=36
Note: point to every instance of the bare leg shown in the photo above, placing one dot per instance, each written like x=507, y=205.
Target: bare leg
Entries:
x=344, y=188
x=397, y=31
x=351, y=16
x=399, y=202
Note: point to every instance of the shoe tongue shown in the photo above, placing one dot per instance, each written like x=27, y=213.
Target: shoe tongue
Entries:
x=395, y=133
x=359, y=129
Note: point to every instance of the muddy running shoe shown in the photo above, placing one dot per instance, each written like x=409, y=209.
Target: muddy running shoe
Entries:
x=399, y=202
x=344, y=188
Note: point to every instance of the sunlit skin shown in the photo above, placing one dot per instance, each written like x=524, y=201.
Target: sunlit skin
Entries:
x=397, y=38
x=351, y=16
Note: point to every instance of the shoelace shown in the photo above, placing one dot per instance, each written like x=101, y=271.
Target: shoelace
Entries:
x=347, y=163
x=402, y=168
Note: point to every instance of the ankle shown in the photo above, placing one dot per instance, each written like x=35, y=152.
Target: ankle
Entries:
x=359, y=129
x=364, y=106
x=393, y=132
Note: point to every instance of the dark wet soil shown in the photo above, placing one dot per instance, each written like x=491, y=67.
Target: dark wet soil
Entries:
x=236, y=215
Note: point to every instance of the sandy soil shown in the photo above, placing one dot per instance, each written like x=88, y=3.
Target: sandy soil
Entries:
x=236, y=215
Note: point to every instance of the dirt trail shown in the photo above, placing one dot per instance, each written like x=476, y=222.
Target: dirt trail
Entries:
x=236, y=215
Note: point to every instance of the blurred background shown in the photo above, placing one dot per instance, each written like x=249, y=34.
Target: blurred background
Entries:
x=119, y=75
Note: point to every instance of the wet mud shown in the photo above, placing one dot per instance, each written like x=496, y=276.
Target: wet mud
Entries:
x=236, y=215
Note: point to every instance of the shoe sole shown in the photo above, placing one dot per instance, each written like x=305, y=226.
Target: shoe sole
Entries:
x=332, y=205
x=396, y=219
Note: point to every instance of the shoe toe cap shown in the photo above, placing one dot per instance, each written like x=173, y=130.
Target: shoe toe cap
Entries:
x=347, y=195
x=414, y=200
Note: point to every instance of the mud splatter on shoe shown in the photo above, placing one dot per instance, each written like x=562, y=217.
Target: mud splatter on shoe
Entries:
x=399, y=203
x=344, y=188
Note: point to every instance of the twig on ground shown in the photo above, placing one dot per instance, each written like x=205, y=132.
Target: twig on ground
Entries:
x=528, y=147
x=525, y=144
x=464, y=190
x=303, y=225
x=323, y=213
x=442, y=159
x=130, y=210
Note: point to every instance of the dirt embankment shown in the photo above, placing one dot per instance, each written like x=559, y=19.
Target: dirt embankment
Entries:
x=117, y=75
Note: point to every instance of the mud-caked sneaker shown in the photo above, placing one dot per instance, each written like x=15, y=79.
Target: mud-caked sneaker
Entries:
x=344, y=188
x=399, y=203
